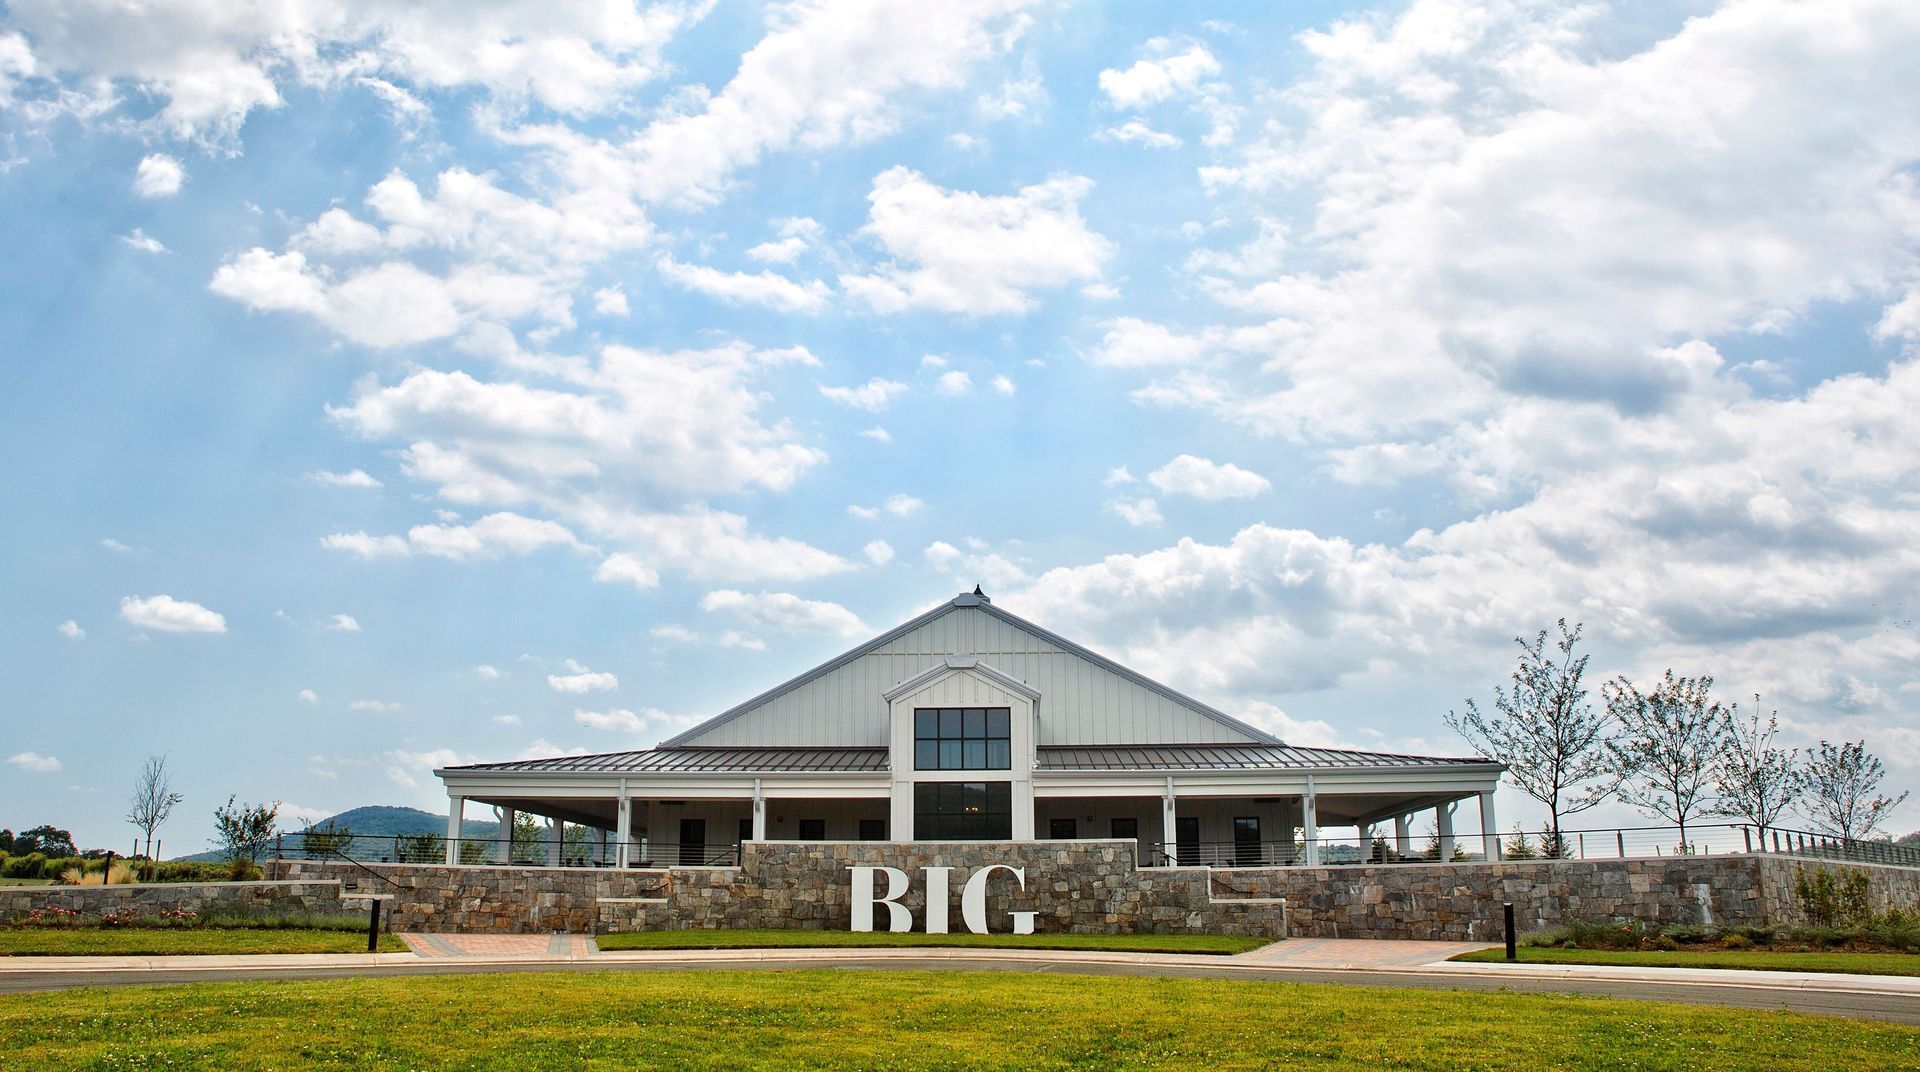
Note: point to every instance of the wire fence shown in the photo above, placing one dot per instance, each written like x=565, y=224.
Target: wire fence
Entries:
x=572, y=851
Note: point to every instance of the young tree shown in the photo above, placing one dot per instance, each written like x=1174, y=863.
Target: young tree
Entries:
x=1550, y=738
x=153, y=799
x=328, y=840
x=1841, y=784
x=244, y=830
x=1756, y=778
x=1670, y=740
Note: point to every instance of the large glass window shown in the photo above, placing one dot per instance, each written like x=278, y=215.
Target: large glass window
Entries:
x=962, y=738
x=963, y=811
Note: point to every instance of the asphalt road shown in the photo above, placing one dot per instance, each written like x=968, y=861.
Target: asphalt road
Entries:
x=1831, y=1001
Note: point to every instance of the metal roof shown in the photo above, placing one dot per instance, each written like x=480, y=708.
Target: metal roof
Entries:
x=1228, y=757
x=695, y=760
x=985, y=604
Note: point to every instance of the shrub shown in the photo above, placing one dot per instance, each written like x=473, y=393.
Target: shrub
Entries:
x=241, y=869
x=1737, y=941
x=1665, y=942
x=1828, y=899
x=32, y=865
x=1756, y=934
x=419, y=849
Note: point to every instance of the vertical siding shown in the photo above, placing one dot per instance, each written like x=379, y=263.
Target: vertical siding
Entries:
x=1080, y=702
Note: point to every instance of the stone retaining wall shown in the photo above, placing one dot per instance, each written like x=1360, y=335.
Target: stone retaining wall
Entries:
x=321, y=894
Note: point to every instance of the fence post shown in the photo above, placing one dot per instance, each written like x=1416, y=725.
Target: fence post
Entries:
x=1746, y=835
x=373, y=925
x=1620, y=839
x=1512, y=953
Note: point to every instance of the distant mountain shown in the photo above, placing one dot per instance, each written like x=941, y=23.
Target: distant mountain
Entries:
x=376, y=823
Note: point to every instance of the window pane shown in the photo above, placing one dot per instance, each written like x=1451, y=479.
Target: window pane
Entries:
x=950, y=722
x=997, y=722
x=949, y=755
x=976, y=722
x=926, y=722
x=999, y=755
x=1126, y=828
x=926, y=755
x=976, y=755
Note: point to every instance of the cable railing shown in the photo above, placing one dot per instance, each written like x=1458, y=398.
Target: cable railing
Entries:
x=362, y=849
x=1607, y=843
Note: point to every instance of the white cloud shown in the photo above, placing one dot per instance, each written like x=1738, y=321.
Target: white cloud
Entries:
x=678, y=633
x=487, y=671
x=1207, y=480
x=142, y=241
x=117, y=547
x=356, y=478
x=494, y=536
x=376, y=706
x=624, y=721
x=1130, y=342
x=71, y=630
x=797, y=235
x=955, y=382
x=1151, y=81
x=1137, y=132
x=785, y=612
x=992, y=569
x=365, y=546
x=165, y=614
x=580, y=680
x=1119, y=476
x=610, y=301
x=505, y=720
x=877, y=434
x=873, y=396
x=767, y=288
x=899, y=505
x=158, y=175
x=623, y=567
x=1137, y=512
x=932, y=361
x=1001, y=385
x=308, y=696
x=34, y=762
x=961, y=252
x=343, y=623
x=878, y=552
x=735, y=639
x=301, y=817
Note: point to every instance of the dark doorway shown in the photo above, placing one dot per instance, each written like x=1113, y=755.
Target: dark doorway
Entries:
x=1246, y=840
x=873, y=830
x=1186, y=838
x=1062, y=829
x=813, y=830
x=693, y=842
x=746, y=830
x=1126, y=828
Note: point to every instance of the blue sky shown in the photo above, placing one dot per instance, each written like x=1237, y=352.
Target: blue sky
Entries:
x=477, y=383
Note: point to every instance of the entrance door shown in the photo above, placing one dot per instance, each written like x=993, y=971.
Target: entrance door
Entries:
x=1246, y=840
x=693, y=842
x=1186, y=838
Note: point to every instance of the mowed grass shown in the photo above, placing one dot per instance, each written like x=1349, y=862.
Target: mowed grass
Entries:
x=140, y=942
x=749, y=939
x=26, y=882
x=906, y=1020
x=1755, y=959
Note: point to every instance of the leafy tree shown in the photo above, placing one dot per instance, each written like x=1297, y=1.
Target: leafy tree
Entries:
x=1670, y=739
x=419, y=848
x=244, y=830
x=46, y=840
x=329, y=840
x=1550, y=738
x=1841, y=785
x=528, y=833
x=153, y=799
x=1756, y=778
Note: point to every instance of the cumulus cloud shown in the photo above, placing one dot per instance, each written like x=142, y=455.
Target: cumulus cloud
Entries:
x=962, y=252
x=785, y=612
x=142, y=241
x=610, y=301
x=878, y=552
x=899, y=505
x=71, y=630
x=579, y=679
x=158, y=175
x=1207, y=480
x=877, y=434
x=955, y=382
x=1137, y=132
x=308, y=696
x=1151, y=81
x=34, y=762
x=487, y=671
x=766, y=288
x=494, y=536
x=343, y=623
x=975, y=565
x=622, y=720
x=165, y=614
x=873, y=396
x=1001, y=385
x=1137, y=512
x=356, y=478
x=621, y=567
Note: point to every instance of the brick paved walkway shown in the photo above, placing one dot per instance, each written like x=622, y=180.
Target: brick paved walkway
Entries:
x=529, y=946
x=1358, y=953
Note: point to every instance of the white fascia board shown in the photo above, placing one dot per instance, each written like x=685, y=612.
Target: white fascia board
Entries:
x=956, y=664
x=1260, y=783
x=706, y=785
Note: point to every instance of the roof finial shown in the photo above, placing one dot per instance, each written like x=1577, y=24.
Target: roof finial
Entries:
x=977, y=591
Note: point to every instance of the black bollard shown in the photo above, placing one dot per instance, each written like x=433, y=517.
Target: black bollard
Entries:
x=1512, y=953
x=373, y=927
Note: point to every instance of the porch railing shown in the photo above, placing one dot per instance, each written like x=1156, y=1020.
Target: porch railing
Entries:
x=432, y=849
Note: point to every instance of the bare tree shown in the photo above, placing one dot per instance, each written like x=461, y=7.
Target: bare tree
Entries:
x=1670, y=741
x=1842, y=787
x=1756, y=778
x=1550, y=738
x=153, y=799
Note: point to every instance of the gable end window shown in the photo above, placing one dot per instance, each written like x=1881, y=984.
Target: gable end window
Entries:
x=962, y=738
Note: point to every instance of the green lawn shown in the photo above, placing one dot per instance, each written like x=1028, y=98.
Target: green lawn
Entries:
x=140, y=942
x=744, y=939
x=1756, y=959
x=907, y=1020
x=26, y=882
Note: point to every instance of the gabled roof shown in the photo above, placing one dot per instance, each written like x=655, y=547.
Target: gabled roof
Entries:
x=1231, y=757
x=985, y=605
x=700, y=760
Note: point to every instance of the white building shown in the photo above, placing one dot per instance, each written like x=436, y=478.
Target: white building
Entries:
x=969, y=723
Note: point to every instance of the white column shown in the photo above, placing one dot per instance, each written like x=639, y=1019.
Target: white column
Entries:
x=623, y=828
x=600, y=844
x=1365, y=831
x=1402, y=835
x=1310, y=823
x=1489, y=827
x=648, y=844
x=505, y=834
x=456, y=814
x=1443, y=822
x=759, y=812
x=1168, y=823
x=556, y=836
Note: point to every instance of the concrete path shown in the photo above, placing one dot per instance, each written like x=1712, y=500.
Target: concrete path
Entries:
x=501, y=946
x=1391, y=964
